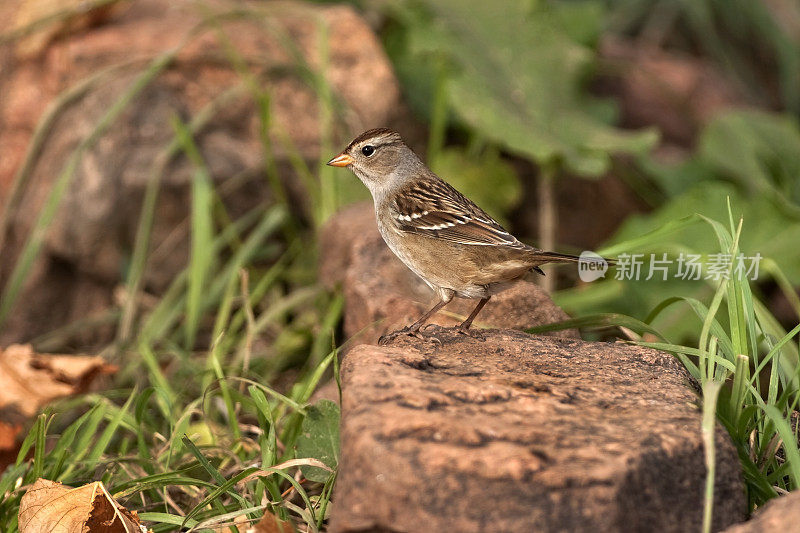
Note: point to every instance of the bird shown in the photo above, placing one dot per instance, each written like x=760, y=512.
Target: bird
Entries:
x=441, y=235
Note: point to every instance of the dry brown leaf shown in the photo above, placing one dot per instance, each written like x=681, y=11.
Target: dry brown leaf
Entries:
x=270, y=523
x=8, y=435
x=29, y=380
x=50, y=507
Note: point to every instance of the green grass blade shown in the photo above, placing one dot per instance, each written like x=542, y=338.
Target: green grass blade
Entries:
x=789, y=439
x=169, y=519
x=775, y=350
x=710, y=394
x=601, y=320
x=739, y=390
x=40, y=434
x=109, y=432
x=649, y=238
x=201, y=257
x=788, y=357
x=162, y=319
x=135, y=276
x=702, y=312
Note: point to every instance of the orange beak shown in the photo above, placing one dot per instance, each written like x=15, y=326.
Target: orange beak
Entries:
x=341, y=160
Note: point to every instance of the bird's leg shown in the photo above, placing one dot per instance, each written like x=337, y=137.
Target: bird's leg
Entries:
x=464, y=327
x=413, y=329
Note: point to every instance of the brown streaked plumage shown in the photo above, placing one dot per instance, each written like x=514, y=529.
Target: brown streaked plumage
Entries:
x=440, y=234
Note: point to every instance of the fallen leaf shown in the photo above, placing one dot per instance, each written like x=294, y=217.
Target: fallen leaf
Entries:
x=29, y=380
x=8, y=435
x=50, y=507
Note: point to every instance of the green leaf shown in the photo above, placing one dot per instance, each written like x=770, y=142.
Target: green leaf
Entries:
x=787, y=434
x=759, y=151
x=517, y=78
x=582, y=20
x=710, y=394
x=202, y=252
x=319, y=439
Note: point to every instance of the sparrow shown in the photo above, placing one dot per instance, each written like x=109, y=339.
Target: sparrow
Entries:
x=441, y=235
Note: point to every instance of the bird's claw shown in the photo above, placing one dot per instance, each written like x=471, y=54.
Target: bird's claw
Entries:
x=416, y=333
x=389, y=337
x=475, y=334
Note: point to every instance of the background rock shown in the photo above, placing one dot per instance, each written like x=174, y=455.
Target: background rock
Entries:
x=88, y=246
x=679, y=94
x=523, y=433
x=382, y=294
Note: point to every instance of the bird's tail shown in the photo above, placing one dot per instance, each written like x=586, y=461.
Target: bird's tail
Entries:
x=539, y=257
x=554, y=257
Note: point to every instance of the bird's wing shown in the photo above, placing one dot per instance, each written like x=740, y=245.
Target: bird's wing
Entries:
x=433, y=208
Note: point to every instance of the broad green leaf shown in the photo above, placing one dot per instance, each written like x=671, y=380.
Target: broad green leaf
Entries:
x=319, y=439
x=760, y=151
x=517, y=78
x=757, y=151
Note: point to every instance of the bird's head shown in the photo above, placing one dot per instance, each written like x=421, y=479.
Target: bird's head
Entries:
x=380, y=159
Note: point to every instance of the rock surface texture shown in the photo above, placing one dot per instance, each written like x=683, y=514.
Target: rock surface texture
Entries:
x=515, y=432
x=382, y=294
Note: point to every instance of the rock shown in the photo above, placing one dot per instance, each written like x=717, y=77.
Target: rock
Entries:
x=679, y=94
x=523, y=433
x=779, y=514
x=39, y=22
x=382, y=294
x=91, y=238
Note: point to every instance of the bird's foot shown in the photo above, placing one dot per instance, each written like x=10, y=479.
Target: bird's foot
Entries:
x=415, y=332
x=474, y=333
x=389, y=337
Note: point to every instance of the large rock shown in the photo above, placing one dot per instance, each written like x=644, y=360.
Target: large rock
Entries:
x=523, y=433
x=87, y=248
x=382, y=294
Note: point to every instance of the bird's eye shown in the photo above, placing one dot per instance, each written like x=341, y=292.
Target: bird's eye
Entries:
x=368, y=150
